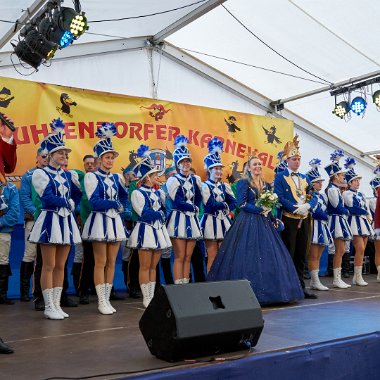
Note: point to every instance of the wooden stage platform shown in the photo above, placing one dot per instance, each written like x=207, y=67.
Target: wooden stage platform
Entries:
x=111, y=347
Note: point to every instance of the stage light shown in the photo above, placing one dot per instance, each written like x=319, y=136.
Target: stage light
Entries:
x=376, y=98
x=25, y=54
x=70, y=20
x=341, y=109
x=358, y=105
x=40, y=45
x=54, y=33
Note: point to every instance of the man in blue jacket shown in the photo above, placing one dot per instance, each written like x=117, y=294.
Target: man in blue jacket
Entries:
x=292, y=190
x=30, y=252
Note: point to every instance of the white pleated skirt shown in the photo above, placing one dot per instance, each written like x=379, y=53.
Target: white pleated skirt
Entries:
x=184, y=225
x=147, y=236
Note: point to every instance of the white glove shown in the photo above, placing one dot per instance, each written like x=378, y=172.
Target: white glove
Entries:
x=266, y=210
x=302, y=209
x=120, y=209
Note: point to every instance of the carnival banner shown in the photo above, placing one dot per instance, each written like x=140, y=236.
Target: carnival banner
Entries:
x=153, y=122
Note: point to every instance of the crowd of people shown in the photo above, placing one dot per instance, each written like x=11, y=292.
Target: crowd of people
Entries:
x=256, y=230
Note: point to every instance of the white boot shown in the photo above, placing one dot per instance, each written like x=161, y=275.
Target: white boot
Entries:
x=108, y=293
x=185, y=280
x=358, y=278
x=338, y=282
x=151, y=287
x=145, y=293
x=57, y=301
x=378, y=273
x=315, y=283
x=50, y=311
x=102, y=303
x=178, y=282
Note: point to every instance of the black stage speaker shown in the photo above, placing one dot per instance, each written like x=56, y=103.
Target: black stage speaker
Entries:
x=201, y=319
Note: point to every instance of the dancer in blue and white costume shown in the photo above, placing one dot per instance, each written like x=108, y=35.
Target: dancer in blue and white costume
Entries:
x=218, y=201
x=338, y=215
x=108, y=198
x=149, y=235
x=374, y=205
x=361, y=228
x=320, y=235
x=183, y=226
x=55, y=228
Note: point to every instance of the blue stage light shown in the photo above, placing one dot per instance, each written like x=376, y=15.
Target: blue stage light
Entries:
x=358, y=105
x=66, y=39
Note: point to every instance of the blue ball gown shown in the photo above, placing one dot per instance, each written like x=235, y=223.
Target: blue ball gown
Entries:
x=252, y=249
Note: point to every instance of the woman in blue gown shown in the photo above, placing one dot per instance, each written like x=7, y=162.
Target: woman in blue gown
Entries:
x=252, y=248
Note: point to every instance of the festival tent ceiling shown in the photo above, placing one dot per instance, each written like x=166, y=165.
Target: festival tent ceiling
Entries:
x=279, y=48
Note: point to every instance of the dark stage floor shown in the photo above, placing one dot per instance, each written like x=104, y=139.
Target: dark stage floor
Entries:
x=89, y=344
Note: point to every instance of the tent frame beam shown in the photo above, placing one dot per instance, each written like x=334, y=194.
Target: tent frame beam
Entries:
x=185, y=20
x=28, y=13
x=253, y=97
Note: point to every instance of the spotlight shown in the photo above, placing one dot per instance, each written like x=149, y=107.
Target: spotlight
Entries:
x=72, y=21
x=376, y=98
x=40, y=45
x=54, y=33
x=341, y=109
x=25, y=54
x=358, y=105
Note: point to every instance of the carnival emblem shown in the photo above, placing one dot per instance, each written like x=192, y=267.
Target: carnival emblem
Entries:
x=158, y=157
x=66, y=104
x=231, y=124
x=157, y=111
x=271, y=136
x=236, y=174
x=5, y=97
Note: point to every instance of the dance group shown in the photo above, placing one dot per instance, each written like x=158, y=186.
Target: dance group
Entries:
x=244, y=238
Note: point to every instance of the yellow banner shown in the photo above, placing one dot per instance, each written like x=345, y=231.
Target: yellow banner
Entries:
x=155, y=123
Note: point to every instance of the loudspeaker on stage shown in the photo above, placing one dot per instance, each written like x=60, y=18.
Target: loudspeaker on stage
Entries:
x=201, y=319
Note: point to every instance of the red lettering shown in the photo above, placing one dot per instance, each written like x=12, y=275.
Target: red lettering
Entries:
x=263, y=158
x=124, y=131
x=69, y=131
x=35, y=132
x=252, y=151
x=161, y=132
x=89, y=128
x=25, y=137
x=148, y=129
x=193, y=137
x=205, y=139
x=270, y=163
x=173, y=132
x=241, y=148
x=135, y=129
x=230, y=146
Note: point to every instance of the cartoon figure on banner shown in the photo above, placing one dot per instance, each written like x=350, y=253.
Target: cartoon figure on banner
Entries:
x=232, y=127
x=271, y=136
x=5, y=97
x=157, y=111
x=66, y=102
x=236, y=174
x=158, y=157
x=168, y=154
x=132, y=158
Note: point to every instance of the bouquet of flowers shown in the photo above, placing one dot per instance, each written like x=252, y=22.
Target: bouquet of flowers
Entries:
x=268, y=200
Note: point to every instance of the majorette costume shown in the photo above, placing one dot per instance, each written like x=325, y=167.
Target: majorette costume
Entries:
x=186, y=194
x=281, y=162
x=60, y=192
x=218, y=198
x=320, y=230
x=107, y=195
x=356, y=204
x=150, y=231
x=338, y=213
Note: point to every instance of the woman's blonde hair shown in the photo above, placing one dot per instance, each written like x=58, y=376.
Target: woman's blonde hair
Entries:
x=248, y=175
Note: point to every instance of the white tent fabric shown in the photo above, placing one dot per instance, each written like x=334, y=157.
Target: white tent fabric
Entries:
x=334, y=41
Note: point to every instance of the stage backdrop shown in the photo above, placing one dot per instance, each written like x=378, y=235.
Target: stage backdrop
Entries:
x=152, y=122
